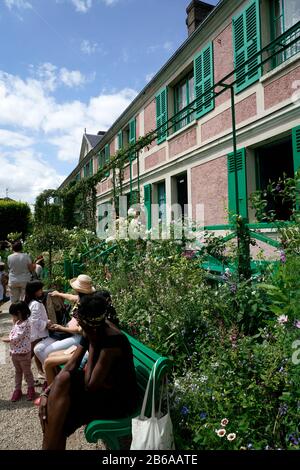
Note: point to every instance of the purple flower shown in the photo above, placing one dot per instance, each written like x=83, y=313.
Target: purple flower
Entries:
x=297, y=323
x=282, y=256
x=203, y=415
x=283, y=409
x=184, y=410
x=233, y=288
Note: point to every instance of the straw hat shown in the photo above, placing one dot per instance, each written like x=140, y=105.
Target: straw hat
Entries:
x=82, y=284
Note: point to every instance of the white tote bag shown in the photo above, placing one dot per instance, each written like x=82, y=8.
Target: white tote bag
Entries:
x=156, y=432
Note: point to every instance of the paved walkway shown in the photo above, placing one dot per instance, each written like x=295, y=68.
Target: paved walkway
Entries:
x=19, y=423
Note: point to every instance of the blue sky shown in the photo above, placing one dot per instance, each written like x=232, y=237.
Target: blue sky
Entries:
x=66, y=65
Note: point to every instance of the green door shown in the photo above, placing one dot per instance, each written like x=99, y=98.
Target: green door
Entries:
x=242, y=184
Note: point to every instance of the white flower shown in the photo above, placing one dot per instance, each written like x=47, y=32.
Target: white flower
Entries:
x=203, y=378
x=231, y=436
x=224, y=422
x=131, y=212
x=221, y=432
x=110, y=239
x=282, y=319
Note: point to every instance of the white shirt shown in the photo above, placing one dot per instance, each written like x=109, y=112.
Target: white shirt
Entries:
x=18, y=268
x=38, y=320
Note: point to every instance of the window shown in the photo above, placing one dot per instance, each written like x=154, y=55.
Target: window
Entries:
x=161, y=200
x=270, y=167
x=103, y=158
x=148, y=204
x=132, y=137
x=184, y=94
x=246, y=44
x=88, y=169
x=242, y=184
x=78, y=177
x=284, y=14
x=162, y=115
x=204, y=80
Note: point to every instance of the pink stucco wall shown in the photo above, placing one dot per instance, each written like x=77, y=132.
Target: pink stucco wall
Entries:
x=209, y=187
x=126, y=173
x=183, y=142
x=104, y=186
x=155, y=159
x=281, y=89
x=113, y=147
x=134, y=170
x=223, y=61
x=245, y=109
x=150, y=119
x=138, y=126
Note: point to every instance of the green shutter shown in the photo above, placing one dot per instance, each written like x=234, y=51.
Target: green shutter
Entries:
x=162, y=115
x=147, y=204
x=296, y=156
x=246, y=43
x=132, y=137
x=296, y=147
x=204, y=80
x=120, y=140
x=242, y=184
x=107, y=158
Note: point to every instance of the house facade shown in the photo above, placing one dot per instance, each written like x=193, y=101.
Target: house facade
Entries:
x=191, y=161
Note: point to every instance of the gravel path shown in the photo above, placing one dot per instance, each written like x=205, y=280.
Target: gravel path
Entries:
x=19, y=423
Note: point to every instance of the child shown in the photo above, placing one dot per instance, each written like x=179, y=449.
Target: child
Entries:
x=3, y=283
x=20, y=349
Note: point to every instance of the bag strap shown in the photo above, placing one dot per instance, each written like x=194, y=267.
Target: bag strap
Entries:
x=151, y=377
x=166, y=388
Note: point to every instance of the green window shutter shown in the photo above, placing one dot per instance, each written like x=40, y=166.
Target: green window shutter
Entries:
x=246, y=43
x=242, y=184
x=296, y=156
x=132, y=137
x=204, y=80
x=296, y=147
x=147, y=204
x=91, y=168
x=107, y=158
x=120, y=140
x=162, y=115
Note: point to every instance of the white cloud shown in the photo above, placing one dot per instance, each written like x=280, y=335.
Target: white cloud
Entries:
x=166, y=46
x=82, y=6
x=50, y=77
x=88, y=47
x=110, y=2
x=14, y=139
x=61, y=124
x=149, y=77
x=17, y=4
x=28, y=174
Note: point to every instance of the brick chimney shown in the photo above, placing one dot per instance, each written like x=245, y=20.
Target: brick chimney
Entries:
x=197, y=11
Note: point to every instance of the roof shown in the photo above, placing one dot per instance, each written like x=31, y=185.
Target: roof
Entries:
x=94, y=139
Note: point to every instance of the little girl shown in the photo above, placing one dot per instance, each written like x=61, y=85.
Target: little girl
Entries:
x=20, y=349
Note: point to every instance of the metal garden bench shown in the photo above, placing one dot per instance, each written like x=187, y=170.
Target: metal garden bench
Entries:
x=110, y=431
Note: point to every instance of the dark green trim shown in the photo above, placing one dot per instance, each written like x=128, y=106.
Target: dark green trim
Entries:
x=246, y=45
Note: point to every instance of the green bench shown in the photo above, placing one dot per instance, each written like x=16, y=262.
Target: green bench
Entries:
x=110, y=431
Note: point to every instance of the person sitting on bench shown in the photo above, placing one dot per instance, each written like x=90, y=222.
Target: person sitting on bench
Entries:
x=106, y=389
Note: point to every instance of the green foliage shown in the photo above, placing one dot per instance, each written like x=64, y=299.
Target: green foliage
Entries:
x=15, y=217
x=278, y=201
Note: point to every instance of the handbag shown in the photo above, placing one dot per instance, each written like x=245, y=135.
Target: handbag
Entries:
x=156, y=432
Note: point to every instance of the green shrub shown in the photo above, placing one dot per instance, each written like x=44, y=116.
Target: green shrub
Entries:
x=15, y=217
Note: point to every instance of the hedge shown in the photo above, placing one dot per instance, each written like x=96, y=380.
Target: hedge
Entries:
x=14, y=217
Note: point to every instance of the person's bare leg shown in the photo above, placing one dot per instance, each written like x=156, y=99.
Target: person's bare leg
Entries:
x=57, y=409
x=52, y=362
x=39, y=365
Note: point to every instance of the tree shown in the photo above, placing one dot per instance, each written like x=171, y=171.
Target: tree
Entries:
x=14, y=217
